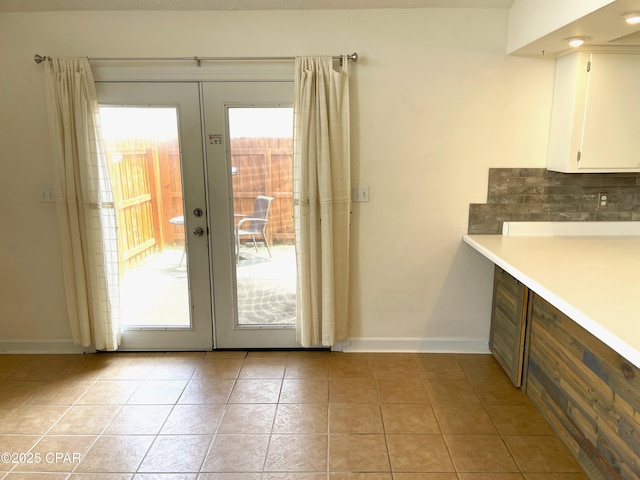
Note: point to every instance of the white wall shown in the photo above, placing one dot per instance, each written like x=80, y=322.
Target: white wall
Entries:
x=436, y=102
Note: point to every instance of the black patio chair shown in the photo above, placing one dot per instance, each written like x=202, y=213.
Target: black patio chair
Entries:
x=254, y=225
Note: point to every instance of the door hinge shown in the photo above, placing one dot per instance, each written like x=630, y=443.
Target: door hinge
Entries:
x=588, y=66
x=578, y=156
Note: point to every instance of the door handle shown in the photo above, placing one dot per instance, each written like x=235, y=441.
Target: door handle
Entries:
x=198, y=231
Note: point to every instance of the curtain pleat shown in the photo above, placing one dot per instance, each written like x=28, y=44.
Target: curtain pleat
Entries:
x=84, y=204
x=322, y=199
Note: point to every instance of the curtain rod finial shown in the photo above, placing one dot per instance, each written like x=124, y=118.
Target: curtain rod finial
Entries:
x=353, y=57
x=39, y=58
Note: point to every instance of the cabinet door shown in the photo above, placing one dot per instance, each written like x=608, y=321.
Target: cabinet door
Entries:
x=594, y=117
x=611, y=124
x=508, y=321
x=567, y=113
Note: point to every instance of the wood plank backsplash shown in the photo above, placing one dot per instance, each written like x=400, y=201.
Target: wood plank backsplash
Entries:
x=537, y=194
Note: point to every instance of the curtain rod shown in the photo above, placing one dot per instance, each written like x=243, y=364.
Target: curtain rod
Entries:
x=353, y=57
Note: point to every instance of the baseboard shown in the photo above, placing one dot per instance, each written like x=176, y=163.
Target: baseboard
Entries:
x=360, y=344
x=413, y=345
x=42, y=346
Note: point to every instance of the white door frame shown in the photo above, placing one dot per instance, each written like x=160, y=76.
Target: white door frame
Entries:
x=206, y=73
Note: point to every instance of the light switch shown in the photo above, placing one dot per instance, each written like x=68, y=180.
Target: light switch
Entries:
x=360, y=194
x=47, y=195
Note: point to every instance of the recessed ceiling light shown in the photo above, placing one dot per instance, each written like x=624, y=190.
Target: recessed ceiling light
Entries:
x=576, y=41
x=632, y=18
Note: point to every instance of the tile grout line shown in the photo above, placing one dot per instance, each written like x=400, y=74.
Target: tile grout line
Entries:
x=486, y=399
x=102, y=432
x=442, y=435
x=158, y=434
x=43, y=435
x=224, y=409
x=384, y=429
x=484, y=404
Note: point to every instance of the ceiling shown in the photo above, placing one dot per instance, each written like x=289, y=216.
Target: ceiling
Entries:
x=52, y=5
x=605, y=27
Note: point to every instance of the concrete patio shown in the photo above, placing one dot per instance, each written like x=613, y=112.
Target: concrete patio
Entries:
x=155, y=293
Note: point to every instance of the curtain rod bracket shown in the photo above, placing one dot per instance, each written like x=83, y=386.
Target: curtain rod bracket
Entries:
x=198, y=61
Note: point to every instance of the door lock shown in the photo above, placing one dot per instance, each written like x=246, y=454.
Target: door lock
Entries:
x=197, y=212
x=198, y=231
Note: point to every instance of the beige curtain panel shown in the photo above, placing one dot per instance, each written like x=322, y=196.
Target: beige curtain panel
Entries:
x=322, y=199
x=84, y=204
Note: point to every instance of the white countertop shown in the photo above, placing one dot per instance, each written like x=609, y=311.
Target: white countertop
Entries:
x=592, y=278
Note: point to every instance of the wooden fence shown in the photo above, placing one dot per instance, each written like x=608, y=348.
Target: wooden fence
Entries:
x=264, y=166
x=146, y=183
x=147, y=187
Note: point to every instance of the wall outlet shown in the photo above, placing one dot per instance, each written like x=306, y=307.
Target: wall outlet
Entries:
x=603, y=200
x=360, y=194
x=47, y=195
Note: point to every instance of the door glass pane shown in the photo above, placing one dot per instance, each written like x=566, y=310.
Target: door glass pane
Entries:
x=261, y=145
x=143, y=155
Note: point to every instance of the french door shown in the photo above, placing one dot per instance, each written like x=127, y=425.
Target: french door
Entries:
x=249, y=150
x=189, y=162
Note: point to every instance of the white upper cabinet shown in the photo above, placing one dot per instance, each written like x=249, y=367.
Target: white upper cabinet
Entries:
x=595, y=121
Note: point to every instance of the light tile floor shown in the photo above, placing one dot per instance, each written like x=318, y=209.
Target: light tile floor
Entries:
x=270, y=415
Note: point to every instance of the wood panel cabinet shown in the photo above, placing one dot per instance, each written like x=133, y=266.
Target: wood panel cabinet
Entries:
x=508, y=324
x=588, y=392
